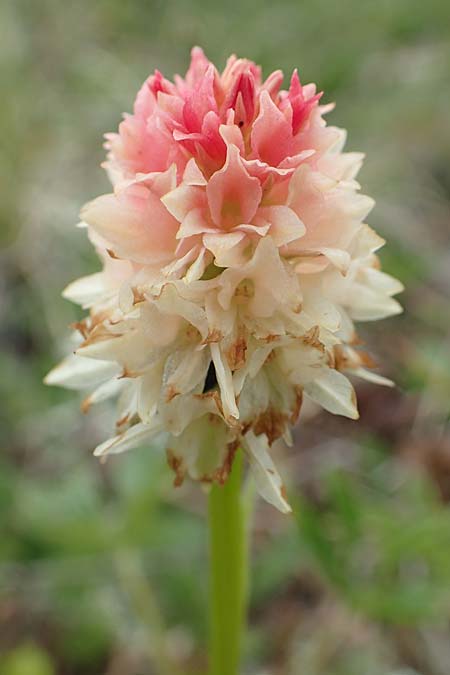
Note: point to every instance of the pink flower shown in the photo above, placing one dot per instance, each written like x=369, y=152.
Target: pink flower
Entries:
x=236, y=258
x=230, y=143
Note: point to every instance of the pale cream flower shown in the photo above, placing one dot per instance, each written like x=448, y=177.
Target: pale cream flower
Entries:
x=235, y=260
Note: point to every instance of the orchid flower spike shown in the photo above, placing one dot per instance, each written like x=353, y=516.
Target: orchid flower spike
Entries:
x=236, y=258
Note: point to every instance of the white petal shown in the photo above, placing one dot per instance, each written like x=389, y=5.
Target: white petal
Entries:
x=372, y=377
x=198, y=267
x=131, y=438
x=267, y=478
x=254, y=363
x=333, y=391
x=255, y=397
x=76, y=372
x=367, y=304
x=382, y=282
x=260, y=230
x=149, y=389
x=337, y=257
x=171, y=302
x=225, y=381
x=227, y=247
x=367, y=242
x=87, y=290
x=322, y=311
x=132, y=350
x=286, y=226
x=177, y=267
x=184, y=370
x=102, y=393
x=126, y=298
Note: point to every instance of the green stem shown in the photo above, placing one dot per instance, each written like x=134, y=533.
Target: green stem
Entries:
x=228, y=572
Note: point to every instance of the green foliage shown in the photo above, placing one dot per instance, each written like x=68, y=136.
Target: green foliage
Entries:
x=27, y=659
x=385, y=551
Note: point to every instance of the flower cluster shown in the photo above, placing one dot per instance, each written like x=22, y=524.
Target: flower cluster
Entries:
x=235, y=260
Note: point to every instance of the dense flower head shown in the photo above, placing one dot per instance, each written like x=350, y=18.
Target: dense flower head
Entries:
x=235, y=261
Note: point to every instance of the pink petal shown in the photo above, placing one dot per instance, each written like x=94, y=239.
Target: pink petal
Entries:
x=194, y=223
x=198, y=67
x=192, y=174
x=300, y=102
x=183, y=199
x=242, y=98
x=145, y=102
x=231, y=134
x=200, y=101
x=212, y=141
x=273, y=83
x=271, y=138
x=233, y=195
x=135, y=223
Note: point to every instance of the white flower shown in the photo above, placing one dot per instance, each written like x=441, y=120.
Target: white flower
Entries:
x=235, y=260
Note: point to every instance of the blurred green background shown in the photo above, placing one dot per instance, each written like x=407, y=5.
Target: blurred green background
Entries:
x=102, y=567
